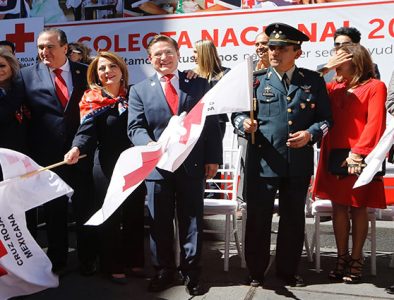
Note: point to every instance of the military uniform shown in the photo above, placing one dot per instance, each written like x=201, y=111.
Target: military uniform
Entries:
x=273, y=166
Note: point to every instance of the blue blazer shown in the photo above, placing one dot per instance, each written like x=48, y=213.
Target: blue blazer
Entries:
x=51, y=128
x=149, y=115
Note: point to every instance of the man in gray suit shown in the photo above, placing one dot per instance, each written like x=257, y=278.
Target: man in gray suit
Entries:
x=292, y=113
x=152, y=103
x=54, y=105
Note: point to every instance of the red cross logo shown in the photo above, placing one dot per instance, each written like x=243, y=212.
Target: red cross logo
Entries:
x=3, y=251
x=193, y=117
x=149, y=162
x=20, y=37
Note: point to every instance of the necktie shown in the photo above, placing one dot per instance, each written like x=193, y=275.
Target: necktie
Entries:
x=61, y=87
x=285, y=81
x=171, y=94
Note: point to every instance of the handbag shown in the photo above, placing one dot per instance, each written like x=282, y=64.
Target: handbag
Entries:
x=336, y=158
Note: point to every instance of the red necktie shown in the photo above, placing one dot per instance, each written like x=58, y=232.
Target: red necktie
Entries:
x=171, y=94
x=61, y=87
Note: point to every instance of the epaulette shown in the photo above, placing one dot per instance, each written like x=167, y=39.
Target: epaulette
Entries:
x=260, y=72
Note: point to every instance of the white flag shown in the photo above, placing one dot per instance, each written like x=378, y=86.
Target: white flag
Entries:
x=24, y=267
x=233, y=93
x=375, y=159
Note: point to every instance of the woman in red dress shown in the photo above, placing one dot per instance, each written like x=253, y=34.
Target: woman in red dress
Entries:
x=358, y=109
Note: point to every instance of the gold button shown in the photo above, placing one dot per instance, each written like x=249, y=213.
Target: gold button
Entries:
x=288, y=98
x=290, y=122
x=289, y=110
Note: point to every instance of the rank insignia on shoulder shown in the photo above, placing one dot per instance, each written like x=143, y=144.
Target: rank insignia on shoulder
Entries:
x=306, y=88
x=268, y=92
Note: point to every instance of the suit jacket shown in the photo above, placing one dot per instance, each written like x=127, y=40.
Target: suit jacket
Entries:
x=149, y=115
x=52, y=128
x=304, y=107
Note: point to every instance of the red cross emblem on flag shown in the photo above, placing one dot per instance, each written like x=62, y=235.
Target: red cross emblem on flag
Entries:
x=3, y=252
x=20, y=37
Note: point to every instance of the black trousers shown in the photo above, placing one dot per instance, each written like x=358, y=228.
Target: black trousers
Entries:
x=261, y=196
x=184, y=195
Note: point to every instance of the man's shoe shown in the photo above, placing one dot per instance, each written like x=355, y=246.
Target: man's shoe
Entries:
x=390, y=289
x=162, y=280
x=253, y=282
x=292, y=280
x=192, y=287
x=87, y=269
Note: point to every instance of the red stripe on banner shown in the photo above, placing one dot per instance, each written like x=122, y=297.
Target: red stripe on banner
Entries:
x=3, y=251
x=149, y=161
x=193, y=117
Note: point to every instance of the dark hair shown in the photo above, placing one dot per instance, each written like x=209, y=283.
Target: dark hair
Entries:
x=62, y=37
x=81, y=47
x=8, y=43
x=351, y=32
x=162, y=38
x=361, y=62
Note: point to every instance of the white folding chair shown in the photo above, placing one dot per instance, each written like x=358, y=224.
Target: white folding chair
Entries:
x=225, y=199
x=323, y=208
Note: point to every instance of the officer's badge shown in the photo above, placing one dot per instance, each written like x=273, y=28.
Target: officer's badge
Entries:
x=277, y=36
x=268, y=92
x=302, y=105
x=306, y=88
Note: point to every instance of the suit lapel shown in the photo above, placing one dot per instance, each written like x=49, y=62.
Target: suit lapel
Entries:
x=275, y=82
x=183, y=84
x=295, y=81
x=47, y=82
x=77, y=80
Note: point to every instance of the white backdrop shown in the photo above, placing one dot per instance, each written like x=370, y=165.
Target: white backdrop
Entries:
x=234, y=33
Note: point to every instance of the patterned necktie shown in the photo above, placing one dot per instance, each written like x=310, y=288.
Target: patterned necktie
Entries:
x=171, y=94
x=285, y=82
x=61, y=87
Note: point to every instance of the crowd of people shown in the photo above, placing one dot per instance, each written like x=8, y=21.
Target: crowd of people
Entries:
x=68, y=105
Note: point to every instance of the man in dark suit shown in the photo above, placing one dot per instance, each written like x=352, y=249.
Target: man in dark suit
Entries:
x=152, y=103
x=292, y=113
x=54, y=105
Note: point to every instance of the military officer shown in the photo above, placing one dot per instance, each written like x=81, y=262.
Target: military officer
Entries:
x=292, y=113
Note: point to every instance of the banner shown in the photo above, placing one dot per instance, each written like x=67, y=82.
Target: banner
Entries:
x=233, y=32
x=23, y=33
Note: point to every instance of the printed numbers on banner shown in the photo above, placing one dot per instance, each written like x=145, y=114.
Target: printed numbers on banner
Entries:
x=376, y=32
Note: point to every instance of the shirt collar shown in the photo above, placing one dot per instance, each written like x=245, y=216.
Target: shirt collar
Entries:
x=289, y=73
x=64, y=68
x=160, y=76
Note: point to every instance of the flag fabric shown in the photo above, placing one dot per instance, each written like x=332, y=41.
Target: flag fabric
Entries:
x=375, y=159
x=24, y=267
x=231, y=94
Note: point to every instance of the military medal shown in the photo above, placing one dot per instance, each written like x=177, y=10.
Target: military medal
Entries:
x=268, y=92
x=306, y=88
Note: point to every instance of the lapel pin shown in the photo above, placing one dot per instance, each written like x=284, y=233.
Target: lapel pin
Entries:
x=186, y=80
x=78, y=72
x=152, y=83
x=269, y=74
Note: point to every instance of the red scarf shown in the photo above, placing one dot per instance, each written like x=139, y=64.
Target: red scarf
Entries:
x=95, y=102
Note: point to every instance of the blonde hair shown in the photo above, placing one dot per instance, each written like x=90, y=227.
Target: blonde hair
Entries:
x=12, y=61
x=92, y=76
x=209, y=65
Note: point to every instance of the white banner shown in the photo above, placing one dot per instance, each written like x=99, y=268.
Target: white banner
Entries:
x=234, y=32
x=23, y=33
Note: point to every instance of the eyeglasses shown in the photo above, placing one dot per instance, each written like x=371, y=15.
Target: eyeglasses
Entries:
x=337, y=45
x=168, y=53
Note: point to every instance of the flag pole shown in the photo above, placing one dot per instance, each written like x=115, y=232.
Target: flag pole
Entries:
x=48, y=167
x=252, y=96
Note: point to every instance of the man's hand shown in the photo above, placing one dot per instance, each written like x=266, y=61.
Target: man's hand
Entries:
x=250, y=126
x=190, y=74
x=72, y=156
x=210, y=170
x=298, y=139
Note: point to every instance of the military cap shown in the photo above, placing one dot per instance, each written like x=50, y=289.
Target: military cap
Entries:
x=283, y=35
